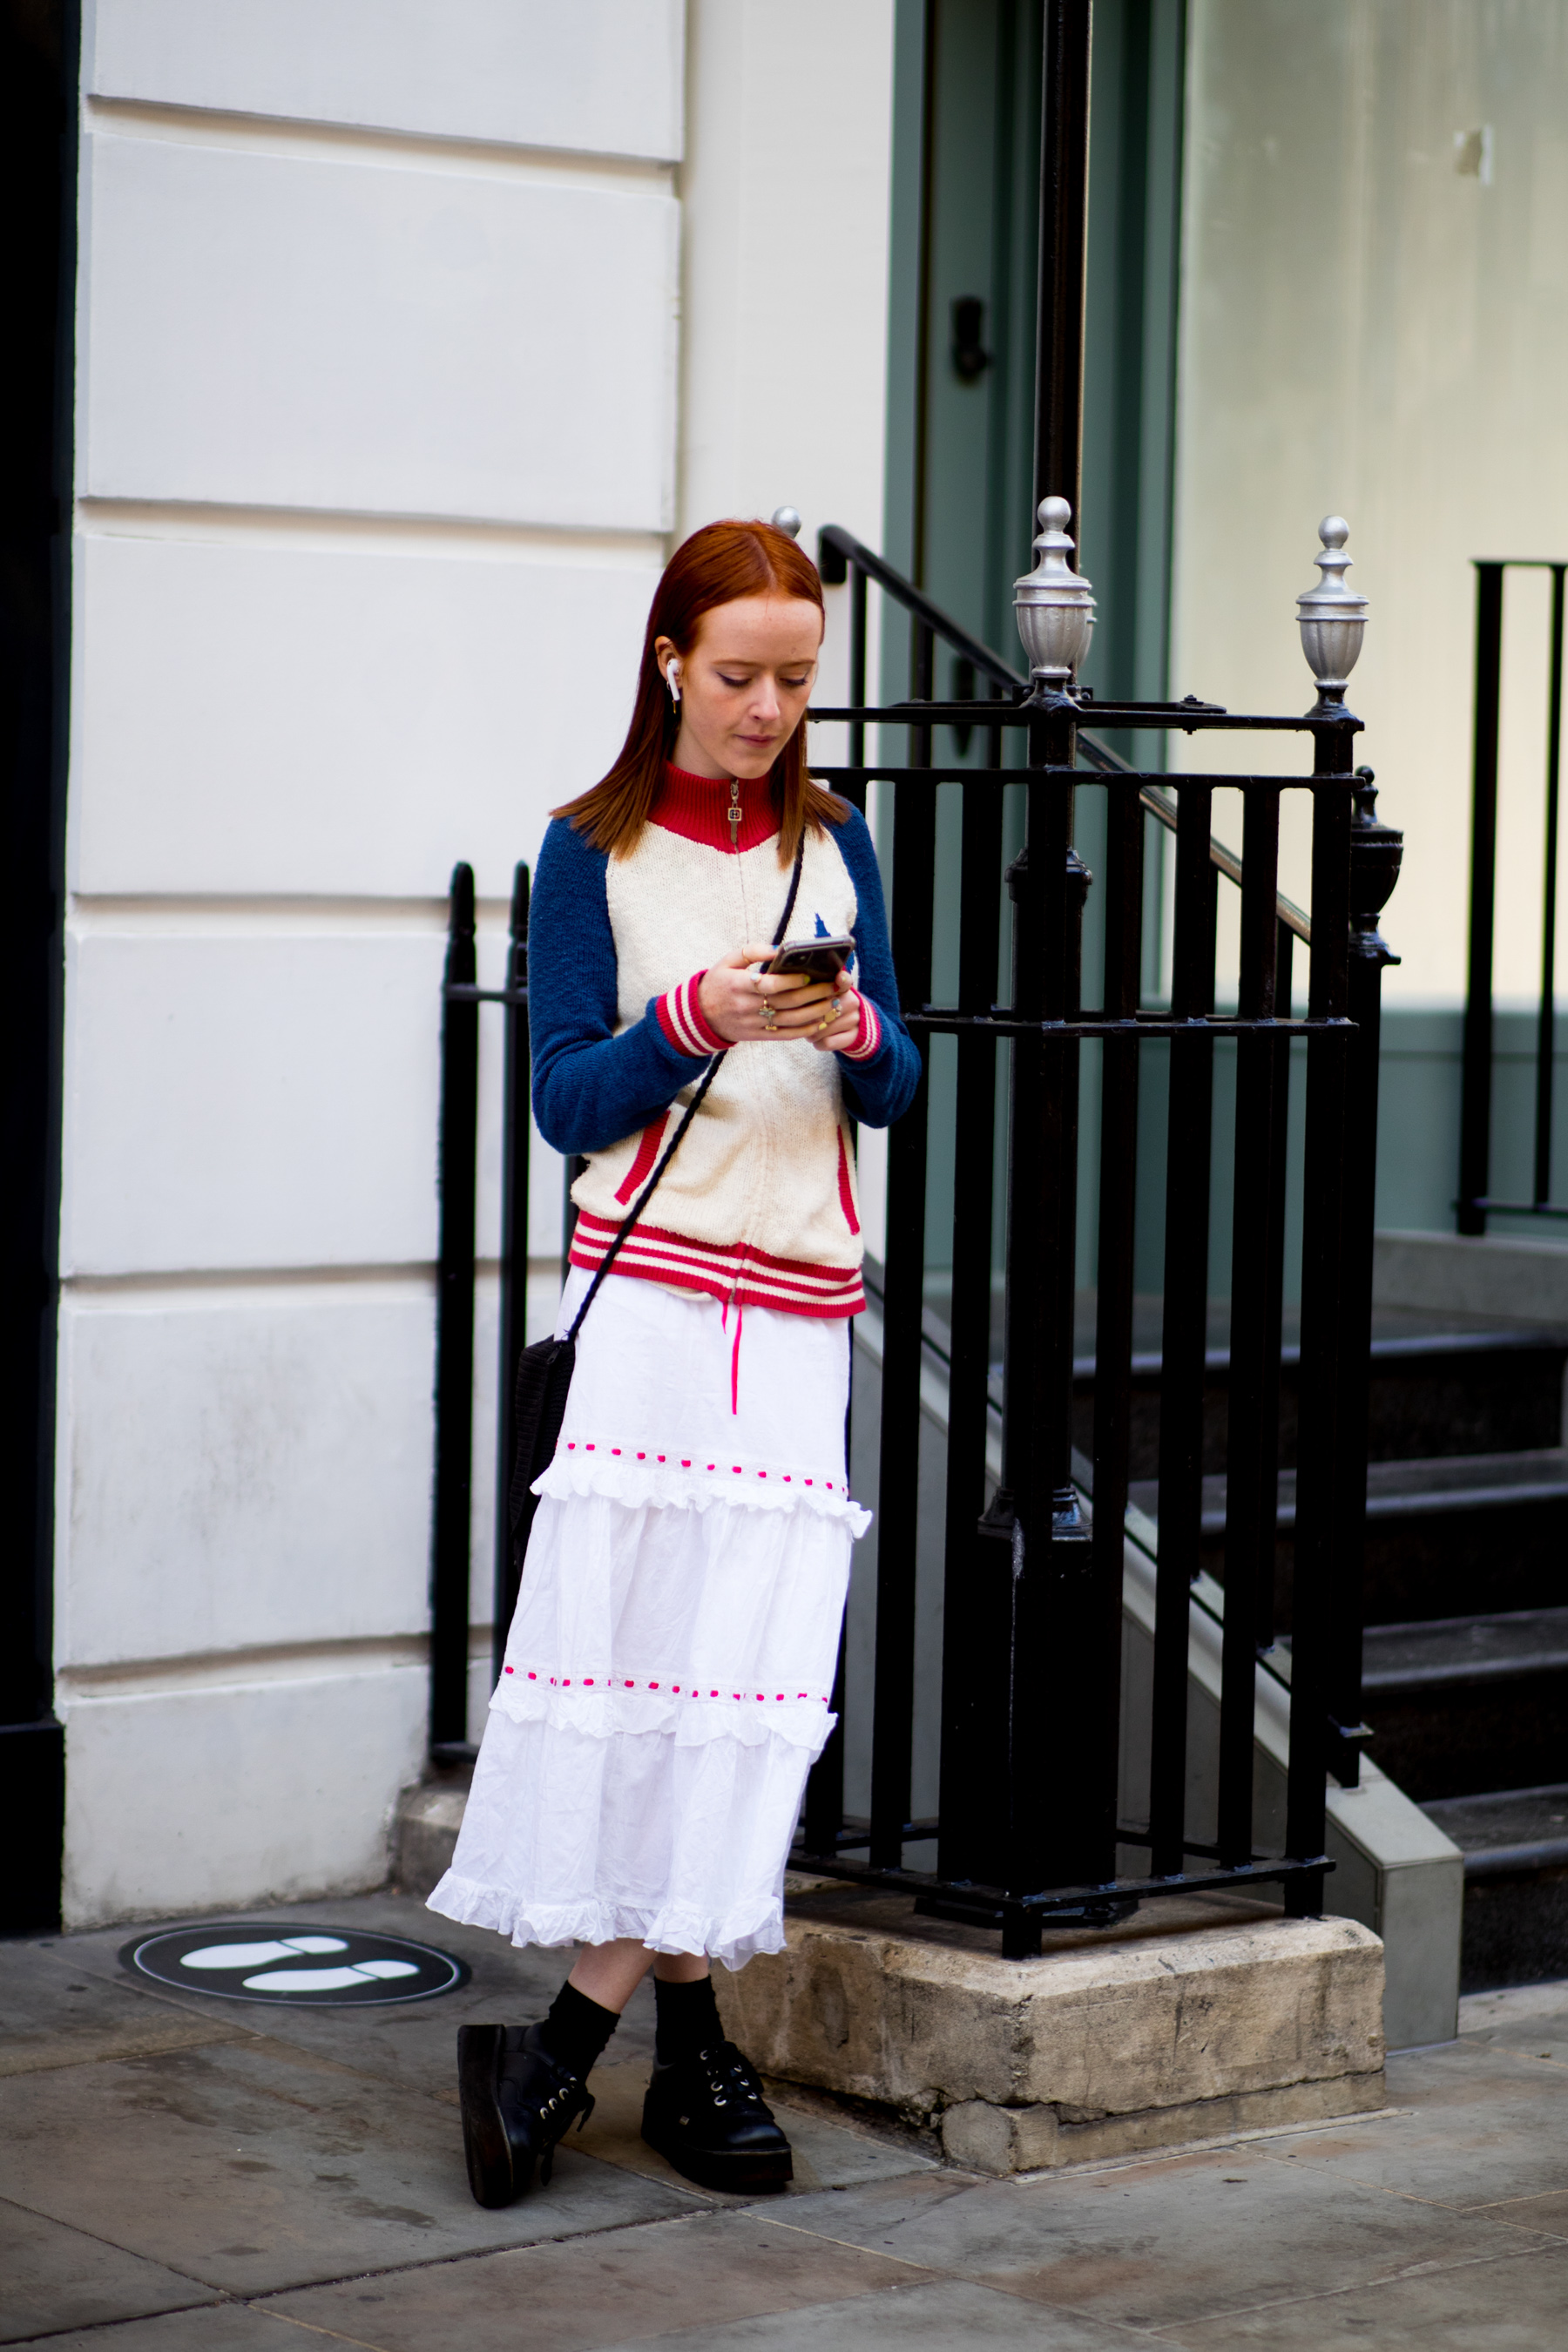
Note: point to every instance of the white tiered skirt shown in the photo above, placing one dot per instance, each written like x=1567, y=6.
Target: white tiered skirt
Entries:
x=670, y=1667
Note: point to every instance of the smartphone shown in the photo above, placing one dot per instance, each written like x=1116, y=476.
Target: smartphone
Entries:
x=815, y=959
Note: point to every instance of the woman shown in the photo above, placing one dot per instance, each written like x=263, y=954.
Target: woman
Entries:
x=669, y=1669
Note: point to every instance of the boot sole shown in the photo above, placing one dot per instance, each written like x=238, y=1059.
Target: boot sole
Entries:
x=487, y=2151
x=734, y=2174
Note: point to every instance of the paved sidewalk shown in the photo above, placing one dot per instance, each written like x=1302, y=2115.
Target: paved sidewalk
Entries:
x=187, y=2174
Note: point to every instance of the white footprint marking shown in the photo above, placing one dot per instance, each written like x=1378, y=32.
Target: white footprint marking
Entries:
x=328, y=1980
x=250, y=1956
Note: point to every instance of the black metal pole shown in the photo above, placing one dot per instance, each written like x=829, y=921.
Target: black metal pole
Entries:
x=455, y=1331
x=1546, y=1040
x=1327, y=1315
x=971, y=1631
x=1375, y=853
x=904, y=1303
x=857, y=673
x=516, y=1137
x=1063, y=220
x=1250, y=1445
x=1184, y=1341
x=1476, y=1095
x=1101, y=1666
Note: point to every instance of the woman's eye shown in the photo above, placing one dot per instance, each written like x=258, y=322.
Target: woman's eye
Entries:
x=734, y=682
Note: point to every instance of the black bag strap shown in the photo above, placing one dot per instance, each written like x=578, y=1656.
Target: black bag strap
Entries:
x=692, y=1108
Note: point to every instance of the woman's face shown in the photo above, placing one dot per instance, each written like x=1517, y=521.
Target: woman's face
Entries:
x=744, y=684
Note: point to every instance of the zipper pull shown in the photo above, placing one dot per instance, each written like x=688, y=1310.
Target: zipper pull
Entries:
x=735, y=812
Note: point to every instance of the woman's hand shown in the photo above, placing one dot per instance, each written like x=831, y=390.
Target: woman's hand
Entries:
x=746, y=1006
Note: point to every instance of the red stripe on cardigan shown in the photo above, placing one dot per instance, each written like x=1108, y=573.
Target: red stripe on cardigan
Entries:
x=641, y=1169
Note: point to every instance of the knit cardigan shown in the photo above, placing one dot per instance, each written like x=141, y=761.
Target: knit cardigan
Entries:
x=760, y=1205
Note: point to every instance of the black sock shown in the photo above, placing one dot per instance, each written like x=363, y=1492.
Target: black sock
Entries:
x=687, y=2018
x=576, y=2030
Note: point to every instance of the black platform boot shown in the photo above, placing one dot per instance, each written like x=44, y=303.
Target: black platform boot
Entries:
x=517, y=2102
x=707, y=2115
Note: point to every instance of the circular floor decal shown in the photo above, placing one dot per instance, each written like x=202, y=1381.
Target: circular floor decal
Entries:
x=311, y=1968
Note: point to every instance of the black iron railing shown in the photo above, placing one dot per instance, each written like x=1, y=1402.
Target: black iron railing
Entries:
x=452, y=1503
x=1476, y=1201
x=1028, y=1826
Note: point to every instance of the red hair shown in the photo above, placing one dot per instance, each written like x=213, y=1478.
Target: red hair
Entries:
x=717, y=565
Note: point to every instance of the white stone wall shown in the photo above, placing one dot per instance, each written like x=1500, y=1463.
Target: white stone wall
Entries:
x=382, y=435
x=375, y=466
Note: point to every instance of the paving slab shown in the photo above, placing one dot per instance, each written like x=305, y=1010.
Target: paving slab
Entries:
x=1147, y=2245
x=1548, y=2214
x=217, y=2327
x=710, y=2269
x=54, y=2277
x=937, y=2319
x=1531, y=2019
x=257, y=2165
x=828, y=2153
x=1482, y=2124
x=53, y=2013
x=1515, y=2304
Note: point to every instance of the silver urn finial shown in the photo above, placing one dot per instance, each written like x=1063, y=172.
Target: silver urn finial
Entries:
x=1053, y=606
x=785, y=519
x=1332, y=617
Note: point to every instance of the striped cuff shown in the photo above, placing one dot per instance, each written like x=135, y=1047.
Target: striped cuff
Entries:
x=867, y=1037
x=680, y=1018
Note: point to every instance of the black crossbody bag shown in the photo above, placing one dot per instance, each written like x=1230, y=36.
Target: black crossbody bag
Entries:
x=544, y=1371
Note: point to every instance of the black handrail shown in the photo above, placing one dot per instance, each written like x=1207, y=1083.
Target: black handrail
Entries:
x=1476, y=1203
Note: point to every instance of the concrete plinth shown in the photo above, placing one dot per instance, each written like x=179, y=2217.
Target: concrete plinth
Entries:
x=1179, y=2027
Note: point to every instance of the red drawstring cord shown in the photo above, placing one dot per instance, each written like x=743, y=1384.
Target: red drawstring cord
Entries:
x=735, y=1352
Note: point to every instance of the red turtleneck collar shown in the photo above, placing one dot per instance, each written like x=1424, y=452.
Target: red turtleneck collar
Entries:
x=696, y=806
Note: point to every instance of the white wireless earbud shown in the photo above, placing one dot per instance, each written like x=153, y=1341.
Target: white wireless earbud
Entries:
x=673, y=678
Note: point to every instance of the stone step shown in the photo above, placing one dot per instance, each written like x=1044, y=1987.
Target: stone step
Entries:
x=1446, y=1535
x=1432, y=1395
x=425, y=1829
x=1469, y=1703
x=1515, y=1844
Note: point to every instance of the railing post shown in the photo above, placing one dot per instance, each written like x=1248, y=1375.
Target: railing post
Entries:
x=1251, y=1446
x=455, y=1329
x=903, y=1307
x=516, y=1139
x=1325, y=1334
x=1476, y=1098
x=1545, y=1035
x=1183, y=1342
x=971, y=1634
x=1376, y=854
x=1101, y=1616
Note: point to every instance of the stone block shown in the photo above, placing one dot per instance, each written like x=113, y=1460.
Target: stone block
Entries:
x=1110, y=2042
x=425, y=1830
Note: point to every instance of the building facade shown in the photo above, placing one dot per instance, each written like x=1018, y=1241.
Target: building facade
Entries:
x=404, y=342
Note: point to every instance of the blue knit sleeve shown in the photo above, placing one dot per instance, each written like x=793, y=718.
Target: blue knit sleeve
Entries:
x=591, y=1088
x=880, y=1089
